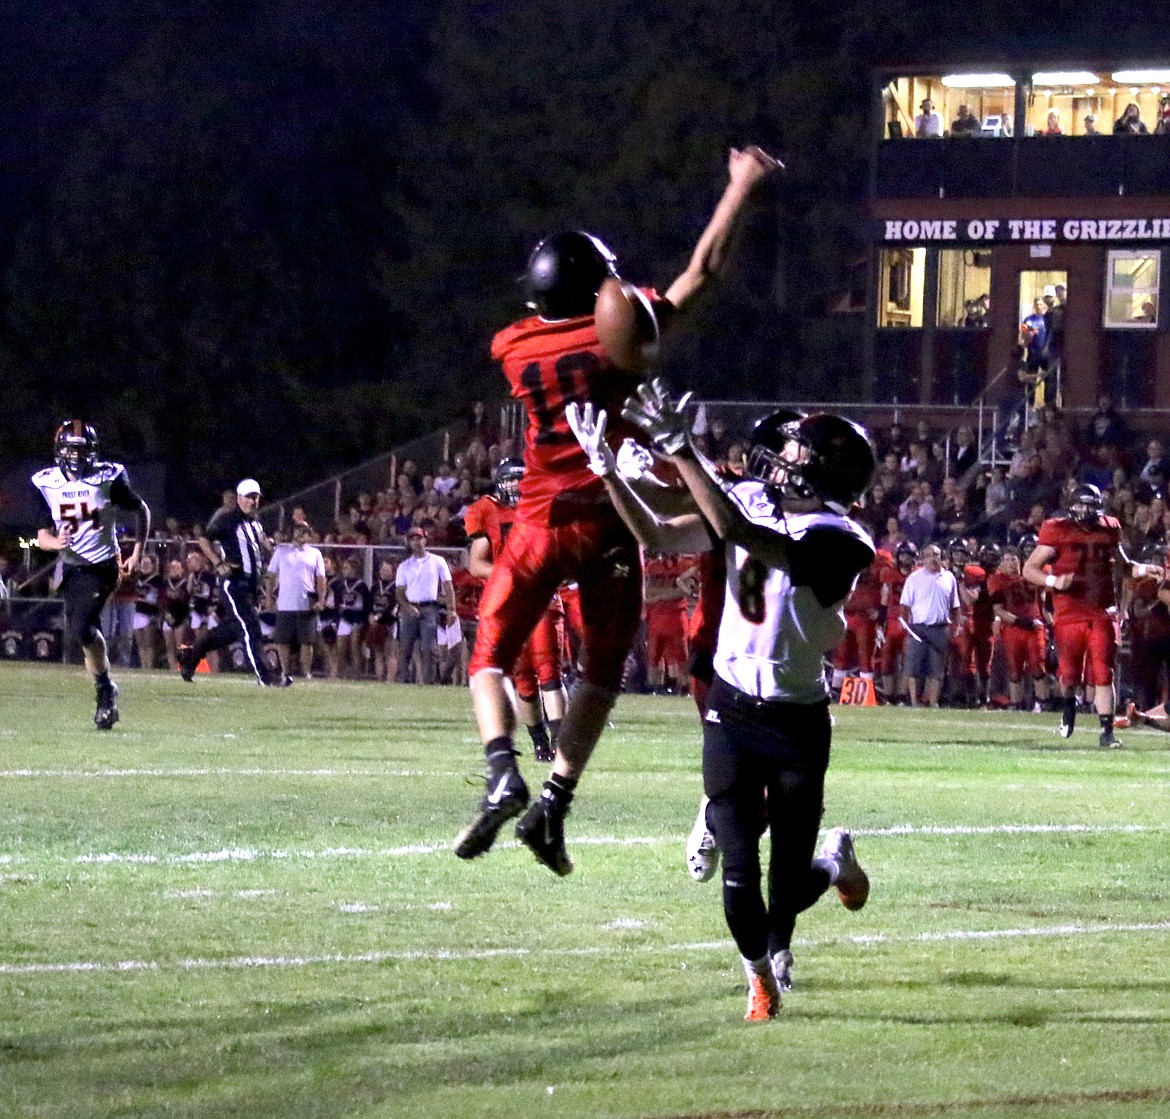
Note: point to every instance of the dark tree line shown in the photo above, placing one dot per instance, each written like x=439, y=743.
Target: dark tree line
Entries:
x=275, y=238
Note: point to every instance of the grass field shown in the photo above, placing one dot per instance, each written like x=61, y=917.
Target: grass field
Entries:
x=243, y=902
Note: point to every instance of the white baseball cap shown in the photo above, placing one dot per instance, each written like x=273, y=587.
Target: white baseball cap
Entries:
x=248, y=487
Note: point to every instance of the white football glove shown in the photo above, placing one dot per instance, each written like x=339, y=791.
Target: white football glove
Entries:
x=590, y=433
x=634, y=461
x=659, y=415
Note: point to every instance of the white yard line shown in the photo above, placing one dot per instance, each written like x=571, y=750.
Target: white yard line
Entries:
x=252, y=854
x=236, y=963
x=225, y=771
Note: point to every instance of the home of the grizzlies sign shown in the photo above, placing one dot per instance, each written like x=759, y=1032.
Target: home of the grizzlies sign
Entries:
x=919, y=231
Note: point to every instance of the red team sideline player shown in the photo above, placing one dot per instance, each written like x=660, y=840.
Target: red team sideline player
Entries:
x=537, y=671
x=1022, y=632
x=1075, y=560
x=565, y=527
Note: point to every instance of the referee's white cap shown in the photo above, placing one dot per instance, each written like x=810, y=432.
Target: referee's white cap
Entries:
x=248, y=487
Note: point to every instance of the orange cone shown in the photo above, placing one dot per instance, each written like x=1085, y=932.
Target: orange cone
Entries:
x=858, y=691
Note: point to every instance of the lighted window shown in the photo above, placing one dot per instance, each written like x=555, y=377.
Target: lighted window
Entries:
x=1131, y=289
x=900, y=286
x=964, y=287
x=976, y=104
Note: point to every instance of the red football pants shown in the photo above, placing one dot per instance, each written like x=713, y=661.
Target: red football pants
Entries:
x=600, y=555
x=1086, y=650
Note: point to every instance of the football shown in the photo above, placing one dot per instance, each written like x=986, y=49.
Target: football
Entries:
x=626, y=325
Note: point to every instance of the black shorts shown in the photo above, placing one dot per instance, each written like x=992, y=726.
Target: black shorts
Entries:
x=747, y=740
x=295, y=626
x=85, y=589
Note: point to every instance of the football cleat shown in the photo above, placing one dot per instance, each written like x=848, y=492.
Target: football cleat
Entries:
x=106, y=714
x=782, y=969
x=1068, y=720
x=545, y=754
x=852, y=882
x=542, y=830
x=702, y=850
x=187, y=663
x=278, y=680
x=1108, y=740
x=506, y=797
x=763, y=994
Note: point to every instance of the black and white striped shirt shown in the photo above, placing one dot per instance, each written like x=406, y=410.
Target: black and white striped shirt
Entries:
x=241, y=537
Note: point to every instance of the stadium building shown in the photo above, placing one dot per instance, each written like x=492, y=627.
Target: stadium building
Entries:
x=1019, y=186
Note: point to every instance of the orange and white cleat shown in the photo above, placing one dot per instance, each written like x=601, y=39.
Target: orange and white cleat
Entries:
x=852, y=882
x=763, y=994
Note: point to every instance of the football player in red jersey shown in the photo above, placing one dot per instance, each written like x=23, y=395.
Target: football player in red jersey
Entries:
x=1075, y=560
x=537, y=670
x=972, y=646
x=1149, y=630
x=666, y=619
x=1022, y=633
x=892, y=581
x=863, y=608
x=565, y=527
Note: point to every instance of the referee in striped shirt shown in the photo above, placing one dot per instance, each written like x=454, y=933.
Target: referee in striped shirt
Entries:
x=234, y=542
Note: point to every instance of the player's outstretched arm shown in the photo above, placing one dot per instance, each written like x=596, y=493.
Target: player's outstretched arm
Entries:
x=663, y=419
x=683, y=534
x=1137, y=570
x=744, y=169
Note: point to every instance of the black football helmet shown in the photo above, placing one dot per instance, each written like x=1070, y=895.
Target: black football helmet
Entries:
x=906, y=554
x=565, y=272
x=507, y=479
x=75, y=448
x=990, y=555
x=957, y=551
x=1085, y=504
x=766, y=446
x=822, y=456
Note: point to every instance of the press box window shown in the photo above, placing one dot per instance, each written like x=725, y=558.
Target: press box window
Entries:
x=901, y=280
x=964, y=285
x=1131, y=289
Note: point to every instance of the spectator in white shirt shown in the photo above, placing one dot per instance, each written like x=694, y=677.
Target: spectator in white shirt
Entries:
x=930, y=611
x=424, y=588
x=928, y=122
x=300, y=580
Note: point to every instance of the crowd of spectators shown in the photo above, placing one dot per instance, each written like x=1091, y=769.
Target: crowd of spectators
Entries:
x=922, y=492
x=928, y=122
x=930, y=486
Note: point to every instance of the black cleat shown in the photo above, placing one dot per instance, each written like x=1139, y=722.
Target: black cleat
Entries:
x=279, y=680
x=106, y=714
x=542, y=830
x=187, y=663
x=545, y=754
x=506, y=797
x=1108, y=740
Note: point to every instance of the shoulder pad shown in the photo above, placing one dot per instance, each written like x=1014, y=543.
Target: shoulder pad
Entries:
x=50, y=475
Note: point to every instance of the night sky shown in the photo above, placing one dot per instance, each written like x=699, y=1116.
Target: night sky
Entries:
x=223, y=222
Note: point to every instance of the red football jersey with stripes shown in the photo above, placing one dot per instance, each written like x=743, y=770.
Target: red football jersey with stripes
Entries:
x=549, y=364
x=895, y=579
x=487, y=517
x=1086, y=552
x=867, y=591
x=468, y=590
x=1015, y=595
